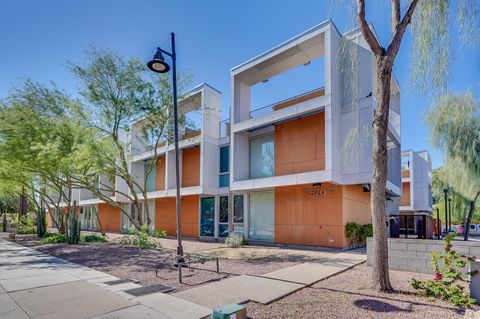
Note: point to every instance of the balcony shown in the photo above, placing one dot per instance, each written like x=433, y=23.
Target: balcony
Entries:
x=224, y=128
x=287, y=102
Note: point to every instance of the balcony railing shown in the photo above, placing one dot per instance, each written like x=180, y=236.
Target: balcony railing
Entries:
x=287, y=102
x=224, y=128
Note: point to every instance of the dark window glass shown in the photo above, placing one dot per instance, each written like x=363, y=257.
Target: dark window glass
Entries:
x=223, y=230
x=206, y=216
x=238, y=209
x=224, y=209
x=224, y=180
x=224, y=158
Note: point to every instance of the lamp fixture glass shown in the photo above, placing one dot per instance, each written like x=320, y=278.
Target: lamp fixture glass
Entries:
x=158, y=64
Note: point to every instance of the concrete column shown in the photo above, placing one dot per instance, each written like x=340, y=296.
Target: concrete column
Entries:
x=216, y=217
x=230, y=213
x=246, y=217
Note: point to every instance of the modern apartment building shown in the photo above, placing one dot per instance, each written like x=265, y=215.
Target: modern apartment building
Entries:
x=416, y=202
x=416, y=183
x=293, y=172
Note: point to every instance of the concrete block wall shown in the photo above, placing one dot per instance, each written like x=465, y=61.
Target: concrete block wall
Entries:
x=415, y=255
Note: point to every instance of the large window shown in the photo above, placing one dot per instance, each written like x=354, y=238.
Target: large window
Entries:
x=207, y=212
x=88, y=218
x=262, y=157
x=223, y=216
x=151, y=177
x=224, y=178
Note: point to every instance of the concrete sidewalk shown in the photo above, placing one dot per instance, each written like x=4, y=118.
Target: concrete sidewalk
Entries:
x=35, y=285
x=271, y=286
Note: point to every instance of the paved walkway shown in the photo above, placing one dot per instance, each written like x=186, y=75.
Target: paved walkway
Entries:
x=35, y=285
x=271, y=286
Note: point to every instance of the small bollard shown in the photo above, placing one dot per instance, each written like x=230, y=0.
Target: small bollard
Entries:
x=230, y=312
x=475, y=280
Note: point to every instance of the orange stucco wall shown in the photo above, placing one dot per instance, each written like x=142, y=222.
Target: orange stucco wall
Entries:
x=110, y=217
x=405, y=173
x=300, y=145
x=191, y=167
x=405, y=194
x=305, y=219
x=160, y=174
x=166, y=218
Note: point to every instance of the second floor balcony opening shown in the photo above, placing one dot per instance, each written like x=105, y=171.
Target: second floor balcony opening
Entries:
x=294, y=86
x=287, y=75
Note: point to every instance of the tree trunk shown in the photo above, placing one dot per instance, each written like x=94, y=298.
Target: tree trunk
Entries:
x=470, y=215
x=381, y=279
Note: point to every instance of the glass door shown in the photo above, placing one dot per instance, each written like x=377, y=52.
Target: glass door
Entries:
x=207, y=216
x=262, y=216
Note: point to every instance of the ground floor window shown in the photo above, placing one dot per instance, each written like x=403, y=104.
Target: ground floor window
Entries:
x=133, y=212
x=89, y=218
x=207, y=216
x=261, y=216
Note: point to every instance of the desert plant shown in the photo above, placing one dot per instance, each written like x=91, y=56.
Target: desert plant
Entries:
x=72, y=227
x=130, y=231
x=53, y=238
x=93, y=238
x=140, y=239
x=449, y=268
x=159, y=234
x=358, y=233
x=26, y=225
x=234, y=241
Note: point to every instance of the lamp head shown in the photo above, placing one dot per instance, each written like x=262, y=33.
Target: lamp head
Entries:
x=158, y=64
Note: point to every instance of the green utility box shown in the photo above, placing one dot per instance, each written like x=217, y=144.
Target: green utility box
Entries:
x=230, y=312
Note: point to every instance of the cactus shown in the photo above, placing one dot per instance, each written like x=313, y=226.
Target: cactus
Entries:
x=72, y=227
x=41, y=223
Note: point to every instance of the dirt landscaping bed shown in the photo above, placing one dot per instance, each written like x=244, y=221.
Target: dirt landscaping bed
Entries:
x=349, y=295
x=137, y=264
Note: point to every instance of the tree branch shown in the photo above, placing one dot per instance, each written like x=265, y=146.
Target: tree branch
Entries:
x=396, y=14
x=397, y=35
x=367, y=32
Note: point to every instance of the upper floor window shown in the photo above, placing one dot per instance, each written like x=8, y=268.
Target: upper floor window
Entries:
x=151, y=177
x=262, y=156
x=224, y=178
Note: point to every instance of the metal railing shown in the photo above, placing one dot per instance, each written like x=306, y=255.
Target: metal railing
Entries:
x=224, y=128
x=273, y=107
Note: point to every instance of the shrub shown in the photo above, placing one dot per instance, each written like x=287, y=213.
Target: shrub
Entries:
x=140, y=239
x=234, y=241
x=52, y=238
x=358, y=233
x=93, y=238
x=26, y=229
x=448, y=267
x=160, y=234
x=26, y=225
x=130, y=231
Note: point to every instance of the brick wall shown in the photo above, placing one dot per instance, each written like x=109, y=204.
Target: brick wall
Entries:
x=415, y=255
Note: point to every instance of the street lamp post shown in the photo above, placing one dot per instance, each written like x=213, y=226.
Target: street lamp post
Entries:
x=158, y=65
x=450, y=214
x=438, y=222
x=445, y=192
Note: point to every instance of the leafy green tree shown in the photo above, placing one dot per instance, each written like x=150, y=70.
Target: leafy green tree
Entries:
x=118, y=91
x=454, y=124
x=433, y=22
x=38, y=139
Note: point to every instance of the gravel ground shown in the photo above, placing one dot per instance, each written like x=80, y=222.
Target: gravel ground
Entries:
x=138, y=264
x=349, y=295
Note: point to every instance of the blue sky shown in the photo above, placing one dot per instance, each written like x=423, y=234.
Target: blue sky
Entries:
x=39, y=37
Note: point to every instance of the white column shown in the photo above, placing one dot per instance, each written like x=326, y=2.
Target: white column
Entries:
x=246, y=216
x=216, y=217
